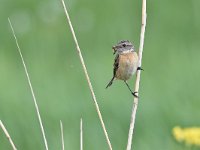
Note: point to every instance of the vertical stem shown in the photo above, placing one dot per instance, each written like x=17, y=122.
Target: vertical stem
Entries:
x=87, y=76
x=81, y=134
x=62, y=135
x=137, y=82
x=7, y=135
x=31, y=88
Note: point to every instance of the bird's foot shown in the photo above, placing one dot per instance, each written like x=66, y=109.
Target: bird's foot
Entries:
x=139, y=68
x=135, y=94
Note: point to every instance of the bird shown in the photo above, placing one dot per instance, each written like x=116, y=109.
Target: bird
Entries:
x=125, y=63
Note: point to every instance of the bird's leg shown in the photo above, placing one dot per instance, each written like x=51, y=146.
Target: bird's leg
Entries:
x=133, y=93
x=139, y=68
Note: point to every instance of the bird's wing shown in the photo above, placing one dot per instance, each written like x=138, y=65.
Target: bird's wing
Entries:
x=116, y=65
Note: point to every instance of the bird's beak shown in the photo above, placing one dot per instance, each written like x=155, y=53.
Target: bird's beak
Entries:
x=114, y=50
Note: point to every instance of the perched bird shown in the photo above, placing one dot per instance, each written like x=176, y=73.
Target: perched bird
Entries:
x=125, y=64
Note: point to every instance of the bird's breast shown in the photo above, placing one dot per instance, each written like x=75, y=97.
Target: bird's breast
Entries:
x=128, y=64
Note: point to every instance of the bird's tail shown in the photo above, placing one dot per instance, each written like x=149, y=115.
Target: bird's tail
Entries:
x=110, y=83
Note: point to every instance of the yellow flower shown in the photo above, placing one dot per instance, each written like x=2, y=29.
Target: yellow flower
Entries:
x=191, y=136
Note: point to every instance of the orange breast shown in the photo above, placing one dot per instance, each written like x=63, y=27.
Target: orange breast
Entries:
x=128, y=64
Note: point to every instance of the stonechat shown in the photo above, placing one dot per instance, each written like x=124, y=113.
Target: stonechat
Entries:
x=125, y=63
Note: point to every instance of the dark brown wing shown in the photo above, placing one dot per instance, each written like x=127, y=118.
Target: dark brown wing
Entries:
x=116, y=65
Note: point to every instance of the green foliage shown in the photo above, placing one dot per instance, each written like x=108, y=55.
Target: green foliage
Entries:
x=169, y=93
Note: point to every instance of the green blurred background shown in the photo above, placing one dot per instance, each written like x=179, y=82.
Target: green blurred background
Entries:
x=169, y=91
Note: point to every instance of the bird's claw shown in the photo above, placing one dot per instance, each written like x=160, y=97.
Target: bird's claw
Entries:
x=139, y=68
x=135, y=94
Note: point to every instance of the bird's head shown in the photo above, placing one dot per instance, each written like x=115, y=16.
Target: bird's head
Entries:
x=123, y=46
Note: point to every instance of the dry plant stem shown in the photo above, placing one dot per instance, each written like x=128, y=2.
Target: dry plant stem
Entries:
x=7, y=135
x=87, y=76
x=81, y=134
x=137, y=82
x=62, y=135
x=30, y=85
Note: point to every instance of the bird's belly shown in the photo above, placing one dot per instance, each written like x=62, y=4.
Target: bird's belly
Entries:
x=126, y=69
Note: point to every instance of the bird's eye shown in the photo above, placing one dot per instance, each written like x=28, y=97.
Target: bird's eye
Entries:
x=124, y=45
